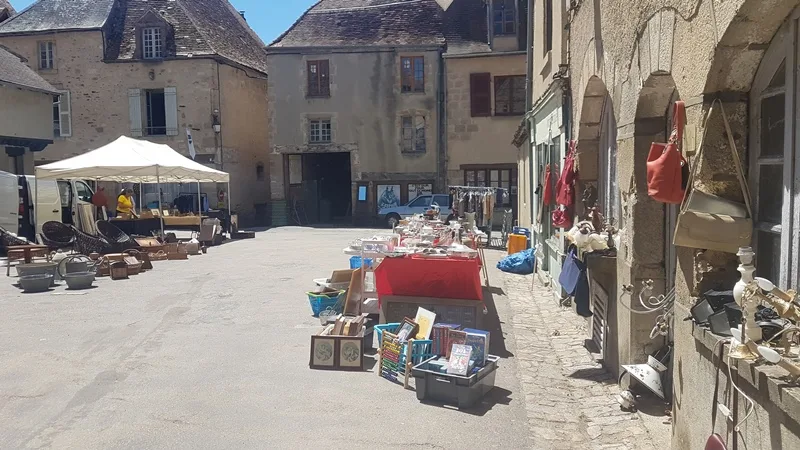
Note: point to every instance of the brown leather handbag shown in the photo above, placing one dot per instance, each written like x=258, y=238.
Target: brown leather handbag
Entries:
x=667, y=169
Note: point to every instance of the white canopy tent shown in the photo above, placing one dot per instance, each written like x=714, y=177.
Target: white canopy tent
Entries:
x=128, y=160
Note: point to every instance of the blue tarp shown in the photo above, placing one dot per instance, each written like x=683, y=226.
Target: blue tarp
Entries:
x=520, y=263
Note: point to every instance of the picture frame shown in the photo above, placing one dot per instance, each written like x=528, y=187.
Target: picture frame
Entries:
x=351, y=353
x=323, y=352
x=407, y=330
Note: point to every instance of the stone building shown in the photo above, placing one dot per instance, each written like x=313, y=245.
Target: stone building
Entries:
x=160, y=70
x=485, y=72
x=26, y=111
x=6, y=10
x=385, y=107
x=628, y=63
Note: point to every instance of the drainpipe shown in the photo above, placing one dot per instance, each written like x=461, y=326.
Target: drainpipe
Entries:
x=442, y=151
x=528, y=107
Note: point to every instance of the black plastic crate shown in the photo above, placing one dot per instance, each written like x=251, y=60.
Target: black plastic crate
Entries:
x=454, y=389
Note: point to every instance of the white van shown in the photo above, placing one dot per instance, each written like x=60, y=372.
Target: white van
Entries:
x=65, y=201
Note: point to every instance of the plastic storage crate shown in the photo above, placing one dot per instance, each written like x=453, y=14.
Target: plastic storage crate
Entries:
x=355, y=262
x=420, y=352
x=321, y=301
x=454, y=389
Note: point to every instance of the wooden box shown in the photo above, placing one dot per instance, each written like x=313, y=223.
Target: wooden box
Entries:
x=336, y=352
x=467, y=313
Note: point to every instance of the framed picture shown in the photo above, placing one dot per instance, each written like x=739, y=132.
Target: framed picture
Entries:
x=350, y=353
x=408, y=330
x=425, y=319
x=322, y=352
x=362, y=193
x=388, y=196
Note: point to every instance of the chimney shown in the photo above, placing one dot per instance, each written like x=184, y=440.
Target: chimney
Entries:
x=241, y=13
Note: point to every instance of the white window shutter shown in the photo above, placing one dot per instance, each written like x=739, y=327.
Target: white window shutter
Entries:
x=135, y=111
x=171, y=107
x=65, y=114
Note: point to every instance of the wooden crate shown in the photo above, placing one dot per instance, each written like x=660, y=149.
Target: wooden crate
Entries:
x=467, y=313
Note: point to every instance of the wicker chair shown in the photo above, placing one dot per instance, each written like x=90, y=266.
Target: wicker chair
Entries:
x=114, y=236
x=57, y=235
x=87, y=244
x=7, y=239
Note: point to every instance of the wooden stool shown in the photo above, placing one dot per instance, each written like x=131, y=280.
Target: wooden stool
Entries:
x=26, y=253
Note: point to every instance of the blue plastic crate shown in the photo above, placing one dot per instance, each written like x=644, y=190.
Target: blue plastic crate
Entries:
x=355, y=262
x=321, y=302
x=420, y=352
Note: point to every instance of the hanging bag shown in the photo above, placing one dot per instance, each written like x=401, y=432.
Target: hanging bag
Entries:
x=710, y=222
x=667, y=169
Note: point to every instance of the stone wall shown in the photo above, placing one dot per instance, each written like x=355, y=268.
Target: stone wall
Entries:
x=100, y=111
x=478, y=140
x=647, y=55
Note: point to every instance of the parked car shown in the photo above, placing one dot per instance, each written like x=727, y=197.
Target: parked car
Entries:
x=391, y=216
x=58, y=201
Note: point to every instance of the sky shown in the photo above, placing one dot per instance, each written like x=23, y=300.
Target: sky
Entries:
x=269, y=18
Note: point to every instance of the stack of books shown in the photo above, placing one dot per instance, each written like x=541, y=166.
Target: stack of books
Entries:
x=439, y=338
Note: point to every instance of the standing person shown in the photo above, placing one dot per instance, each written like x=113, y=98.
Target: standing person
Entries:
x=125, y=204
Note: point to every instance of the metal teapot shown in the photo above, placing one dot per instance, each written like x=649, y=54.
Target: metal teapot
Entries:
x=76, y=264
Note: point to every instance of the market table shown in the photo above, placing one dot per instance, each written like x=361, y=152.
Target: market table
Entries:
x=418, y=276
x=26, y=251
x=138, y=227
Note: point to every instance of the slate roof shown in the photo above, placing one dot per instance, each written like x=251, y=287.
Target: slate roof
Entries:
x=6, y=5
x=201, y=27
x=14, y=71
x=465, y=27
x=354, y=23
x=59, y=15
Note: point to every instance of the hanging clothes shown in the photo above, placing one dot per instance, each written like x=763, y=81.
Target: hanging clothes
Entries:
x=565, y=187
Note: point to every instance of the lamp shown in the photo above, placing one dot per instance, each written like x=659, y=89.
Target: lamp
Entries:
x=215, y=122
x=775, y=358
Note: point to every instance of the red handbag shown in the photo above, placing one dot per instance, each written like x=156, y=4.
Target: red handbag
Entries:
x=565, y=187
x=562, y=218
x=667, y=169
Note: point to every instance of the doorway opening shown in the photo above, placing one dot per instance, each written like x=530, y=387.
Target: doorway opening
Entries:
x=319, y=188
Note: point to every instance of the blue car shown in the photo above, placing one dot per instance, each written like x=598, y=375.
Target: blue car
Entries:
x=391, y=216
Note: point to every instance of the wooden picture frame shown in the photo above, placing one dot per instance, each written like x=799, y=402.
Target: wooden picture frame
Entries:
x=323, y=352
x=407, y=330
x=351, y=353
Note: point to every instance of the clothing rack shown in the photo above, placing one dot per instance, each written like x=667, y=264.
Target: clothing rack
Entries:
x=478, y=190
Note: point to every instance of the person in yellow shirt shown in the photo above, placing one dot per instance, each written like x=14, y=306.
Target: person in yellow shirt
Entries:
x=125, y=203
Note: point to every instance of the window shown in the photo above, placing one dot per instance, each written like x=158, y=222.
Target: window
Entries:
x=773, y=177
x=491, y=177
x=509, y=95
x=319, y=79
x=442, y=200
x=413, y=74
x=295, y=169
x=260, y=172
x=421, y=202
x=84, y=191
x=480, y=86
x=62, y=116
x=47, y=59
x=548, y=25
x=153, y=112
x=608, y=192
x=319, y=131
x=155, y=108
x=412, y=134
x=153, y=43
x=505, y=19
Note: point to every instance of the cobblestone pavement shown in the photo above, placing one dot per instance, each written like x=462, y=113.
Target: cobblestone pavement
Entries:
x=570, y=398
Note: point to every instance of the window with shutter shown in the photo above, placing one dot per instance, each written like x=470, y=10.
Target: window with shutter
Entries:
x=480, y=94
x=171, y=110
x=65, y=114
x=509, y=95
x=319, y=78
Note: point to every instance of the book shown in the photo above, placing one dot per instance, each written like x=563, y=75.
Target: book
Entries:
x=458, y=363
x=439, y=337
x=455, y=337
x=479, y=341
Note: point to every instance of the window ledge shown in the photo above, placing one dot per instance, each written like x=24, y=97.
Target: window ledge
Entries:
x=764, y=378
x=547, y=58
x=318, y=96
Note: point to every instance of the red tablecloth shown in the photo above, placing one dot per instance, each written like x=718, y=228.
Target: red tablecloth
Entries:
x=429, y=277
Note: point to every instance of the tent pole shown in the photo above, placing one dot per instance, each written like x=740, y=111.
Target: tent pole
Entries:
x=35, y=208
x=199, y=202
x=160, y=209
x=141, y=197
